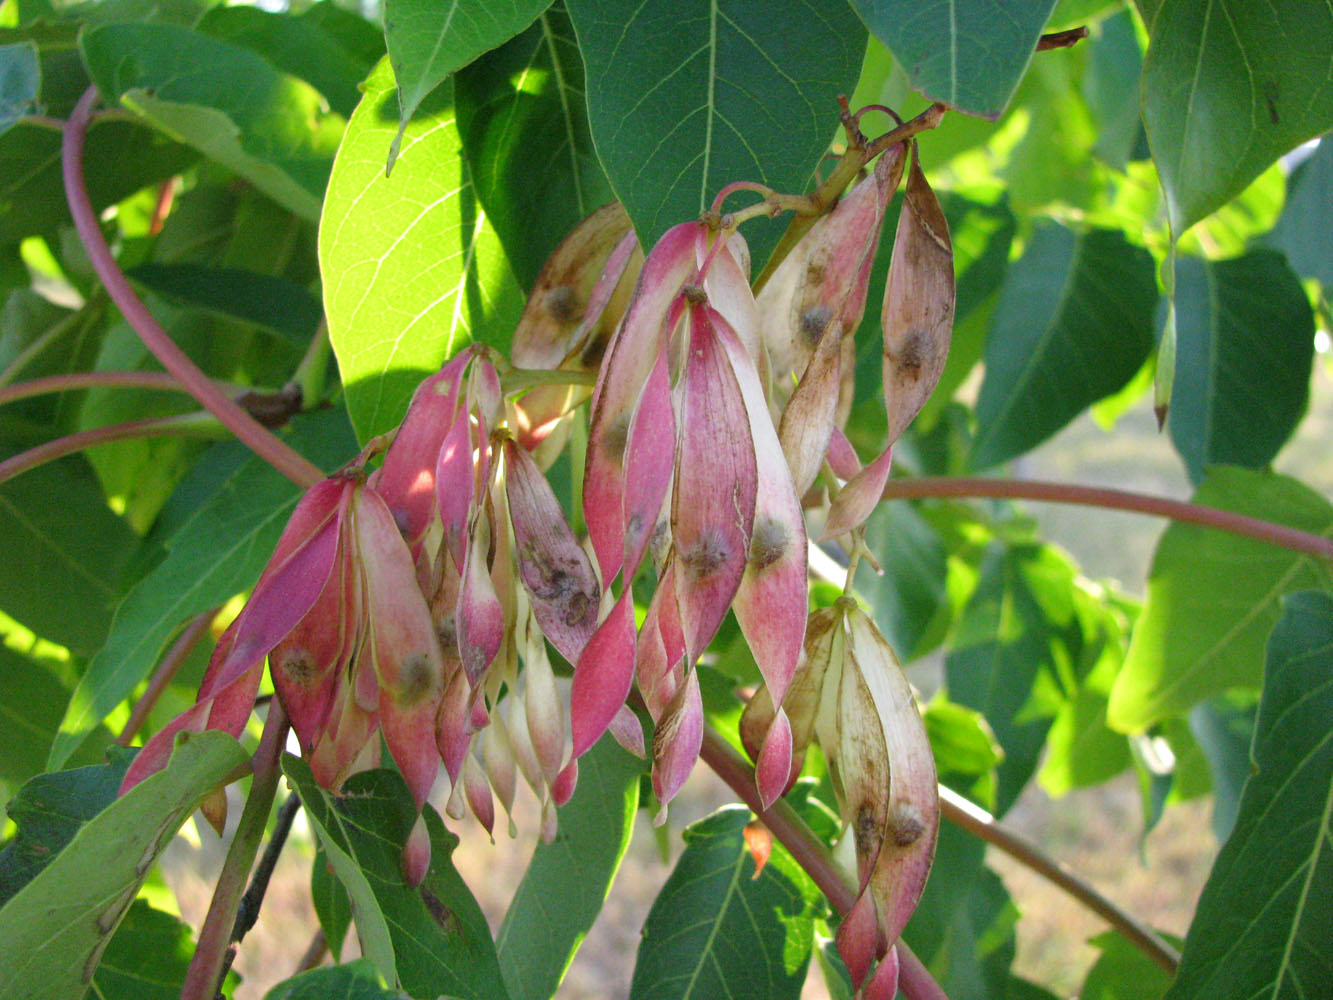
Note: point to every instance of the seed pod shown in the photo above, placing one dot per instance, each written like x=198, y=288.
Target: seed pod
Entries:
x=917, y=319
x=580, y=294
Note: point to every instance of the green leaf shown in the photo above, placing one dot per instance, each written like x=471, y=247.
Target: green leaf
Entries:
x=1007, y=652
x=1223, y=729
x=1074, y=323
x=1244, y=350
x=429, y=941
x=295, y=45
x=1213, y=597
x=147, y=958
x=20, y=79
x=353, y=981
x=966, y=754
x=715, y=930
x=266, y=300
x=1307, y=217
x=61, y=571
x=32, y=194
x=412, y=268
x=970, y=54
x=429, y=40
x=32, y=702
x=568, y=879
x=1228, y=87
x=215, y=555
x=909, y=594
x=1115, y=64
x=332, y=906
x=522, y=114
x=53, y=931
x=1261, y=927
x=687, y=96
x=49, y=810
x=226, y=101
x=1123, y=972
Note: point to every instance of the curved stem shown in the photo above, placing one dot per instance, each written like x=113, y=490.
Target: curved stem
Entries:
x=291, y=464
x=88, y=380
x=165, y=671
x=1097, y=496
x=197, y=424
x=983, y=825
x=214, y=937
x=914, y=979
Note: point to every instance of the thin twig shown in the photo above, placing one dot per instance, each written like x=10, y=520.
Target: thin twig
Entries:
x=983, y=825
x=89, y=380
x=201, y=978
x=914, y=979
x=1062, y=39
x=1096, y=496
x=183, y=425
x=314, y=952
x=165, y=671
x=248, y=912
x=272, y=449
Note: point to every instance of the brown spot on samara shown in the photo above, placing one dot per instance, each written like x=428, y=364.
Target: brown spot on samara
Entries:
x=768, y=544
x=814, y=321
x=416, y=679
x=562, y=304
x=706, y=556
x=298, y=665
x=906, y=824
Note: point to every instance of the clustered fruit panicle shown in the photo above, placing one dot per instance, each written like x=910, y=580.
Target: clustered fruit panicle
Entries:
x=413, y=606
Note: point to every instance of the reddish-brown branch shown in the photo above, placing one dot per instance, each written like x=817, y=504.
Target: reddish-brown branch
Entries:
x=914, y=979
x=165, y=671
x=89, y=380
x=273, y=450
x=1110, y=499
x=186, y=425
x=201, y=979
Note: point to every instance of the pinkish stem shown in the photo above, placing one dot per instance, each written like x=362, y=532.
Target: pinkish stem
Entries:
x=186, y=425
x=269, y=447
x=166, y=670
x=1096, y=496
x=89, y=380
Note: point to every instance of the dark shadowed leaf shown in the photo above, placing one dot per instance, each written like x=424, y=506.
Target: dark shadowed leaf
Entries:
x=1244, y=349
x=567, y=880
x=523, y=116
x=1229, y=86
x=970, y=54
x=296, y=45
x=54, y=929
x=353, y=981
x=146, y=958
x=332, y=906
x=430, y=941
x=1074, y=323
x=428, y=40
x=262, y=299
x=1123, y=972
x=1214, y=597
x=909, y=593
x=1261, y=928
x=20, y=79
x=32, y=195
x=1307, y=217
x=963, y=928
x=1223, y=728
x=1004, y=662
x=215, y=555
x=49, y=810
x=226, y=101
x=687, y=96
x=412, y=269
x=61, y=556
x=717, y=931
